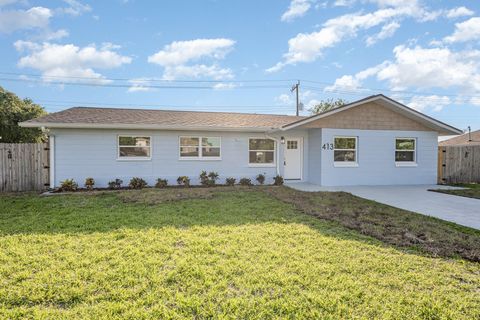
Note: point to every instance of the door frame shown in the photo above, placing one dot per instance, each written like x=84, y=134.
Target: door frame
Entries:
x=300, y=141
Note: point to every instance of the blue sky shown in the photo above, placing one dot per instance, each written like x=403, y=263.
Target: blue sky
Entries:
x=244, y=55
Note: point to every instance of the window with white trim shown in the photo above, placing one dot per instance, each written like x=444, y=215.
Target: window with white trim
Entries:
x=261, y=151
x=134, y=147
x=405, y=150
x=207, y=148
x=345, y=150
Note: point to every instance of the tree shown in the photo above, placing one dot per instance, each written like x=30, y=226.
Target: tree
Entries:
x=326, y=105
x=14, y=110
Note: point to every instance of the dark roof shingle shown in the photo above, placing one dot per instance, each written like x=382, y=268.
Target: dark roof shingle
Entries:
x=167, y=118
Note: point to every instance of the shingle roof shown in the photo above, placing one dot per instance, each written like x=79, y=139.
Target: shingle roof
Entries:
x=161, y=118
x=463, y=140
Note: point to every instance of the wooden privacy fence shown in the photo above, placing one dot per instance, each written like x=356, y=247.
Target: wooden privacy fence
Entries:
x=24, y=167
x=459, y=164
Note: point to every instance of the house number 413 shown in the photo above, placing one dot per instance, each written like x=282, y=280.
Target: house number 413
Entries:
x=327, y=146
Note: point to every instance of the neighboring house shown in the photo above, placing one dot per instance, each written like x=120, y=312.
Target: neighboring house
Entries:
x=373, y=141
x=466, y=139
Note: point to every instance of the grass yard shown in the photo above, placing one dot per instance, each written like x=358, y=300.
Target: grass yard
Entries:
x=472, y=190
x=215, y=253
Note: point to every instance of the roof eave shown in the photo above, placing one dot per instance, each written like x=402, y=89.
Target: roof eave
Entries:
x=127, y=126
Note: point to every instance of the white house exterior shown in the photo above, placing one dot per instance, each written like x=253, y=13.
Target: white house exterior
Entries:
x=374, y=141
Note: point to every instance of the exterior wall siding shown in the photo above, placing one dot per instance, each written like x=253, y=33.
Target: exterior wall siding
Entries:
x=82, y=153
x=376, y=159
x=314, y=156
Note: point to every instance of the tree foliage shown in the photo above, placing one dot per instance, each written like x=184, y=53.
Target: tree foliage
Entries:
x=327, y=104
x=14, y=110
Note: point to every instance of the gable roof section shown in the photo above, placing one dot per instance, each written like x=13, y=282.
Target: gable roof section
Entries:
x=104, y=118
x=463, y=140
x=429, y=122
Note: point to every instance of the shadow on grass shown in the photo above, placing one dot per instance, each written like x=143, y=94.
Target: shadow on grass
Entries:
x=341, y=215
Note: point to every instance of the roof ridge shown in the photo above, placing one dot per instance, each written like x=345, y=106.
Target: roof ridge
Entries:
x=189, y=111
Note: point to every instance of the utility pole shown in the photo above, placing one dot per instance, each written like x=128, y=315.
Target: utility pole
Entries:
x=469, y=134
x=295, y=88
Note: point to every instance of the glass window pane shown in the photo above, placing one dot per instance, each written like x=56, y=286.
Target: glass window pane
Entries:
x=345, y=143
x=213, y=142
x=408, y=156
x=344, y=156
x=189, y=141
x=134, y=141
x=134, y=152
x=261, y=156
x=189, y=152
x=261, y=144
x=210, y=152
x=405, y=144
x=292, y=145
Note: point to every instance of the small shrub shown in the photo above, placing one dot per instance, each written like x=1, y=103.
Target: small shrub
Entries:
x=161, y=183
x=183, y=181
x=137, y=183
x=209, y=179
x=204, y=178
x=89, y=183
x=213, y=177
x=68, y=185
x=230, y=181
x=260, y=178
x=245, y=182
x=278, y=180
x=115, y=184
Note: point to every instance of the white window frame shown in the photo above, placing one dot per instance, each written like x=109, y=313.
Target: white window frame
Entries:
x=119, y=158
x=346, y=163
x=200, y=156
x=406, y=163
x=264, y=165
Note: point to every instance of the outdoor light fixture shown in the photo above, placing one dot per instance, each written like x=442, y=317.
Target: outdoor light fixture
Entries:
x=282, y=140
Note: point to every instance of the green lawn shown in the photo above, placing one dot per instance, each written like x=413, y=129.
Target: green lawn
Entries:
x=230, y=253
x=472, y=190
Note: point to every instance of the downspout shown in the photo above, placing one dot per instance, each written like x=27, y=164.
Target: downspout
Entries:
x=51, y=139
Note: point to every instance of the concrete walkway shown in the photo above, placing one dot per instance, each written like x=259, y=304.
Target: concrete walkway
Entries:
x=416, y=198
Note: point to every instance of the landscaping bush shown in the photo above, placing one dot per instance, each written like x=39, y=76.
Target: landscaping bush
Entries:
x=68, y=185
x=278, y=180
x=89, y=183
x=245, y=182
x=230, y=181
x=260, y=178
x=161, y=183
x=137, y=183
x=115, y=184
x=183, y=181
x=209, y=179
x=213, y=177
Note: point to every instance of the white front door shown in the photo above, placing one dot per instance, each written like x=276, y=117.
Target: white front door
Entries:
x=293, y=158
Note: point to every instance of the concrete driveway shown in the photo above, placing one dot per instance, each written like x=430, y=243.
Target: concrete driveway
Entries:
x=416, y=198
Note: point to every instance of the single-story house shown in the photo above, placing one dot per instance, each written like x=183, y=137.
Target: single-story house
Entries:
x=372, y=141
x=466, y=139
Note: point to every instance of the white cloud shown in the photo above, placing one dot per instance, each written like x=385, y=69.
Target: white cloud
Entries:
x=297, y=9
x=344, y=3
x=140, y=85
x=465, y=31
x=284, y=99
x=6, y=2
x=176, y=56
x=432, y=102
x=75, y=8
x=307, y=47
x=69, y=61
x=459, y=12
x=55, y=35
x=225, y=86
x=388, y=30
x=36, y=17
x=423, y=68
